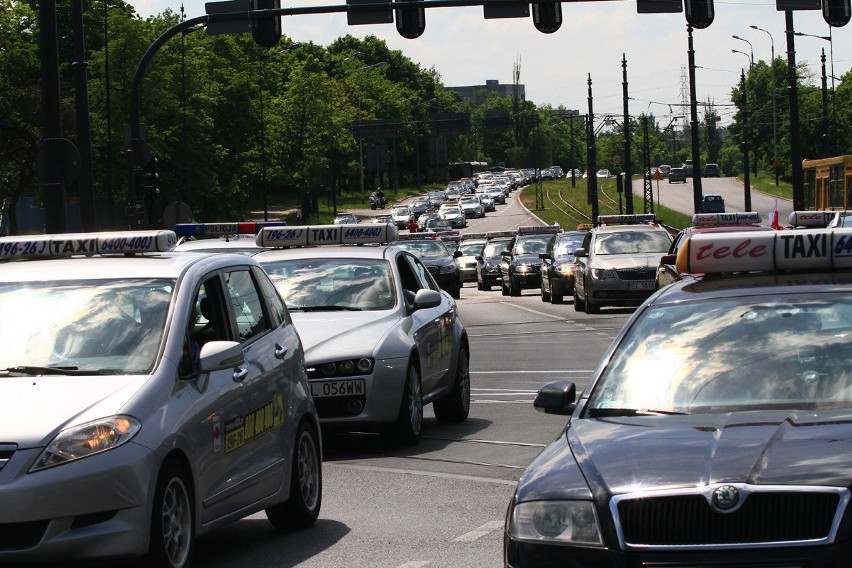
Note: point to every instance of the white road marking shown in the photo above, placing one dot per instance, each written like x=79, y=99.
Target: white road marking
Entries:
x=536, y=312
x=424, y=473
x=560, y=371
x=480, y=532
x=414, y=564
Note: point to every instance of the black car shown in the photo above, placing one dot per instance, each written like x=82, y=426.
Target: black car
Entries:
x=715, y=430
x=712, y=170
x=557, y=266
x=520, y=266
x=437, y=258
x=488, y=262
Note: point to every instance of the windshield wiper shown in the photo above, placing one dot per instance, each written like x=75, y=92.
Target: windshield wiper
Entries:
x=598, y=412
x=36, y=370
x=324, y=309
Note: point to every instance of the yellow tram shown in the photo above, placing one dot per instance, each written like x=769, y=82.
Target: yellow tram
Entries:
x=828, y=183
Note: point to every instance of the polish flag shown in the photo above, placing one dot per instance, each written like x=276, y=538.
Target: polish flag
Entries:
x=773, y=218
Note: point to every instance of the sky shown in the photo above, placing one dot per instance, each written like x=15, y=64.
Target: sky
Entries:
x=466, y=49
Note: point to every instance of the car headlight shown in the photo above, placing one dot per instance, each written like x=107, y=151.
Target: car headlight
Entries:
x=87, y=440
x=344, y=368
x=448, y=268
x=522, y=268
x=601, y=274
x=566, y=269
x=565, y=522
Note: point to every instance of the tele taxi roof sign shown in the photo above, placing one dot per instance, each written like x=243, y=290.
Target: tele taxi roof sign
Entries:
x=720, y=219
x=774, y=251
x=811, y=218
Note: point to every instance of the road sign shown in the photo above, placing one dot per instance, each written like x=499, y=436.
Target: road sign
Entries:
x=616, y=159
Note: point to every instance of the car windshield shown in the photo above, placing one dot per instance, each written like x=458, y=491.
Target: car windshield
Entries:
x=632, y=242
x=566, y=247
x=452, y=211
x=96, y=326
x=333, y=283
x=401, y=212
x=532, y=244
x=425, y=249
x=471, y=249
x=494, y=248
x=749, y=352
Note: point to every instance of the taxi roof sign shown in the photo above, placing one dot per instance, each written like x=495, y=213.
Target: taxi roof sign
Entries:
x=811, y=218
x=539, y=230
x=71, y=244
x=217, y=229
x=492, y=234
x=721, y=219
x=627, y=219
x=313, y=235
x=773, y=251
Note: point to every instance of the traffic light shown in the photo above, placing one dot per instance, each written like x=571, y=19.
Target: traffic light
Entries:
x=266, y=31
x=836, y=12
x=410, y=22
x=547, y=18
x=699, y=13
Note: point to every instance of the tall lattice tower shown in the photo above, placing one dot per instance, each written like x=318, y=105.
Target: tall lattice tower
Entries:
x=684, y=104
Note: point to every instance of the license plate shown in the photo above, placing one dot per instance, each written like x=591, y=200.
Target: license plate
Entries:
x=640, y=285
x=326, y=389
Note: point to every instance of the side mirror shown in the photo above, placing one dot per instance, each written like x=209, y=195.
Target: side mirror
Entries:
x=218, y=355
x=558, y=397
x=426, y=299
x=545, y=256
x=457, y=254
x=668, y=259
x=580, y=253
x=479, y=258
x=505, y=253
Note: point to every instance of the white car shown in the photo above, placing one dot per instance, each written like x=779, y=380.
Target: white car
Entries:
x=454, y=215
x=381, y=338
x=487, y=200
x=151, y=396
x=402, y=216
x=472, y=206
x=603, y=173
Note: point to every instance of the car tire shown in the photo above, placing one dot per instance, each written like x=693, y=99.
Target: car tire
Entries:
x=514, y=289
x=302, y=509
x=172, y=525
x=579, y=305
x=556, y=298
x=545, y=296
x=408, y=427
x=455, y=407
x=592, y=308
x=503, y=288
x=456, y=292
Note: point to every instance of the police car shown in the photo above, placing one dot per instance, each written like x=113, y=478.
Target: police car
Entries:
x=618, y=261
x=714, y=429
x=150, y=397
x=239, y=237
x=381, y=338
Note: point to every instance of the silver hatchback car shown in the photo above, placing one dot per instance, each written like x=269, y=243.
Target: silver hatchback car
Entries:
x=150, y=396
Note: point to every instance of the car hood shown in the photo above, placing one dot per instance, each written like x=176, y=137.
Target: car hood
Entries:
x=42, y=406
x=628, y=454
x=340, y=335
x=622, y=261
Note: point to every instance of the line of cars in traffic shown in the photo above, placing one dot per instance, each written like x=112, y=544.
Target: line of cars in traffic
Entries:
x=161, y=391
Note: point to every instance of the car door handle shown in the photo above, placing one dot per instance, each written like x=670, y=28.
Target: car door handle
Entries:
x=239, y=374
x=280, y=351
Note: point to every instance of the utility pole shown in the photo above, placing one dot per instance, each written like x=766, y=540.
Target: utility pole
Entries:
x=745, y=145
x=628, y=166
x=793, y=97
x=693, y=107
x=591, y=157
x=647, y=184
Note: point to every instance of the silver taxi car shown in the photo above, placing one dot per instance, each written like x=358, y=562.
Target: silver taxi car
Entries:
x=617, y=264
x=381, y=338
x=150, y=397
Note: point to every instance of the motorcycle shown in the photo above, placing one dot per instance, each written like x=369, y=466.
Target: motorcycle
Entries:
x=378, y=201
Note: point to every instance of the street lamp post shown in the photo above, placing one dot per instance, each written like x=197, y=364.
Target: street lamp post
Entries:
x=264, y=60
x=750, y=53
x=830, y=41
x=360, y=135
x=775, y=160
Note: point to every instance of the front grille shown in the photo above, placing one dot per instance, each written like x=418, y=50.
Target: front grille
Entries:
x=433, y=270
x=764, y=517
x=637, y=273
x=6, y=453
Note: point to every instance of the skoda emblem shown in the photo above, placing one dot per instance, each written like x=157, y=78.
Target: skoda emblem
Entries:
x=726, y=497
